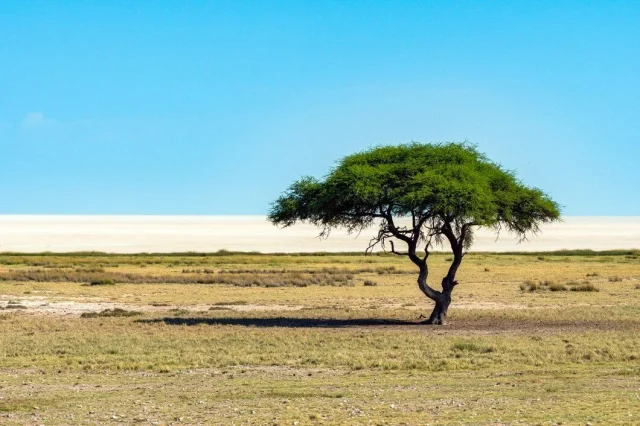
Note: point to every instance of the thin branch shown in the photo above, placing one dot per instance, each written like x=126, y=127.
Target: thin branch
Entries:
x=378, y=239
x=392, y=228
x=463, y=231
x=393, y=250
x=426, y=250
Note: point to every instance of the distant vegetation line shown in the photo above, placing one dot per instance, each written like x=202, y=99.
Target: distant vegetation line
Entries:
x=578, y=252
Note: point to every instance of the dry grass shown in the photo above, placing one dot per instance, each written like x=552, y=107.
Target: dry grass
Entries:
x=351, y=354
x=239, y=279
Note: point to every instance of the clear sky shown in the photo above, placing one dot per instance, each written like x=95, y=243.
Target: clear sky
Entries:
x=194, y=107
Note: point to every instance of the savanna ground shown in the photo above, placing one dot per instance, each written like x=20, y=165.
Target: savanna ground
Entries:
x=318, y=339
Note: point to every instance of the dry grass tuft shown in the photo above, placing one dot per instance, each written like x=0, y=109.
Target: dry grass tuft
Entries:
x=116, y=312
x=585, y=287
x=556, y=287
x=531, y=286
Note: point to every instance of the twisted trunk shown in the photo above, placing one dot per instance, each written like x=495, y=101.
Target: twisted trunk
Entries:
x=442, y=301
x=442, y=298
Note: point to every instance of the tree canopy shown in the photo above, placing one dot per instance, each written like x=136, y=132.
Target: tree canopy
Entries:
x=446, y=190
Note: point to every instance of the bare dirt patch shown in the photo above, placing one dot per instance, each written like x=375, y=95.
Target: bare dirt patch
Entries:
x=45, y=306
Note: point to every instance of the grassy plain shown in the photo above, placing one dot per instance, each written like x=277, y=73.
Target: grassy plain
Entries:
x=317, y=339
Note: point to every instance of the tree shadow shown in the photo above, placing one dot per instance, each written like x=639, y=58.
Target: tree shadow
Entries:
x=283, y=322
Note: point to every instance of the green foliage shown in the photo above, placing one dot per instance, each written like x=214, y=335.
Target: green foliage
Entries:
x=436, y=184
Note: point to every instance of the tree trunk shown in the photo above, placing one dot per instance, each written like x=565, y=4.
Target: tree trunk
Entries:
x=443, y=300
x=439, y=314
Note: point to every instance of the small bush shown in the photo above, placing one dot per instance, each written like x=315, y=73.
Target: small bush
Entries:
x=557, y=287
x=541, y=258
x=615, y=279
x=593, y=275
x=637, y=286
x=585, y=287
x=530, y=285
x=198, y=271
x=102, y=282
x=487, y=270
x=370, y=283
x=231, y=303
x=15, y=306
x=116, y=312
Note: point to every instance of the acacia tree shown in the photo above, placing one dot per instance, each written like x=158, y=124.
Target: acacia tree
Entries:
x=443, y=191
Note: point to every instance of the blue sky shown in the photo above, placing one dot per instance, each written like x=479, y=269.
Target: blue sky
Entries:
x=193, y=107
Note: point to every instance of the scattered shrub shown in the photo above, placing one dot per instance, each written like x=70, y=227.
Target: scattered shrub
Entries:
x=15, y=306
x=557, y=287
x=585, y=287
x=593, y=275
x=381, y=270
x=116, y=312
x=102, y=282
x=530, y=285
x=198, y=271
x=370, y=283
x=286, y=279
x=615, y=279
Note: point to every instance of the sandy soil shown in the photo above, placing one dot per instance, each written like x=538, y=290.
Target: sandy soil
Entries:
x=131, y=234
x=47, y=306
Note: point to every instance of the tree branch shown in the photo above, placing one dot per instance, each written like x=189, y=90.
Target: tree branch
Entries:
x=448, y=232
x=393, y=250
